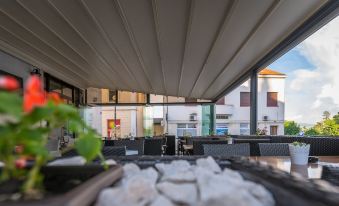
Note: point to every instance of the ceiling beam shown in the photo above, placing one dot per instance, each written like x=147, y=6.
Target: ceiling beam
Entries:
x=23, y=35
x=187, y=39
x=111, y=44
x=158, y=35
x=85, y=64
x=133, y=42
x=227, y=17
x=99, y=56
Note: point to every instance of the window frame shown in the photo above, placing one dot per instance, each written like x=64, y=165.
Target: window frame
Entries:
x=271, y=102
x=244, y=103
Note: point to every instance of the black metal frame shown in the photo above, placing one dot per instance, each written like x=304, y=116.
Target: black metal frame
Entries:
x=254, y=103
x=75, y=90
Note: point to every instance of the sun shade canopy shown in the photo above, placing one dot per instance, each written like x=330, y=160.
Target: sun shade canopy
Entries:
x=188, y=48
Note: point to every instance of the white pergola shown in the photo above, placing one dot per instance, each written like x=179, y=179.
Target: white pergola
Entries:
x=189, y=48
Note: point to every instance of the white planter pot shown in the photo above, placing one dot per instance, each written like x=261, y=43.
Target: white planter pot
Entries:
x=229, y=141
x=299, y=155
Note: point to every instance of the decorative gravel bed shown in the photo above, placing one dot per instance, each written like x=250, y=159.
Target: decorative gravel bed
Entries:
x=182, y=183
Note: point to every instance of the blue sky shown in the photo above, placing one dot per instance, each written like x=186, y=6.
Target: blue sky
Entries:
x=312, y=69
x=291, y=61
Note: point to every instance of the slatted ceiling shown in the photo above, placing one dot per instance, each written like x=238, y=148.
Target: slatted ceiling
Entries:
x=233, y=35
x=142, y=31
x=21, y=33
x=10, y=39
x=76, y=15
x=70, y=40
x=205, y=23
x=272, y=30
x=190, y=48
x=171, y=22
x=113, y=27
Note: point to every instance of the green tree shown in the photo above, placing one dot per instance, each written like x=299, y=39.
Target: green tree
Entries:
x=336, y=118
x=330, y=127
x=312, y=131
x=326, y=115
x=291, y=128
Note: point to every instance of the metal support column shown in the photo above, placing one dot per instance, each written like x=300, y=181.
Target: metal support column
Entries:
x=254, y=103
x=212, y=119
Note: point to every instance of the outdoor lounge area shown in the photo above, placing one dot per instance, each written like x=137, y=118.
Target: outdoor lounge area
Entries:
x=169, y=102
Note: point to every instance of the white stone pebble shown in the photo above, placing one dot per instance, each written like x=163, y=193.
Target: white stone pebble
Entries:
x=179, y=183
x=185, y=193
x=209, y=164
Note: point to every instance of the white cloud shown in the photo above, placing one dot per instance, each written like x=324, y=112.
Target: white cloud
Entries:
x=310, y=92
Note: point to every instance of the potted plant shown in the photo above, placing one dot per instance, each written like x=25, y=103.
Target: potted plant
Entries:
x=25, y=124
x=299, y=152
x=229, y=140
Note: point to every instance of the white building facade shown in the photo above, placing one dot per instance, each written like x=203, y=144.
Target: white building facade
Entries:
x=233, y=111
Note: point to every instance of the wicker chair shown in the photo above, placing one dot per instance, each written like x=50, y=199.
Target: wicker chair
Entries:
x=198, y=148
x=227, y=149
x=108, y=142
x=331, y=174
x=274, y=149
x=70, y=153
x=114, y=151
x=153, y=146
x=131, y=145
x=106, y=151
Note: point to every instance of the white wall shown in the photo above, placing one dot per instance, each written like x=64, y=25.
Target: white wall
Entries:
x=242, y=114
x=181, y=114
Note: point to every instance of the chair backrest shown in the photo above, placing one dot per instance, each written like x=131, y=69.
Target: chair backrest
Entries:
x=153, y=146
x=70, y=153
x=320, y=146
x=131, y=145
x=227, y=149
x=330, y=174
x=274, y=149
x=170, y=143
x=114, y=151
x=198, y=148
x=254, y=147
x=108, y=142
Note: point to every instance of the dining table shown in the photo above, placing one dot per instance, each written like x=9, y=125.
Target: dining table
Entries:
x=310, y=170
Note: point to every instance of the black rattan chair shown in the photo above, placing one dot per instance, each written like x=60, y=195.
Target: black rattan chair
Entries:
x=114, y=151
x=227, y=149
x=131, y=145
x=274, y=149
x=198, y=148
x=153, y=146
x=70, y=153
x=331, y=174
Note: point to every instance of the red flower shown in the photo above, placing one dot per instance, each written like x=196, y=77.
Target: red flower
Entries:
x=34, y=95
x=20, y=163
x=19, y=149
x=54, y=97
x=9, y=83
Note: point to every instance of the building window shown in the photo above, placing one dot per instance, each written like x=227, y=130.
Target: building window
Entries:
x=273, y=130
x=272, y=99
x=221, y=116
x=186, y=130
x=245, y=99
x=221, y=129
x=221, y=101
x=244, y=128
